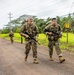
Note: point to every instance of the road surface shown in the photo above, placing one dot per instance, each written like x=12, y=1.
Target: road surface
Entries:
x=12, y=61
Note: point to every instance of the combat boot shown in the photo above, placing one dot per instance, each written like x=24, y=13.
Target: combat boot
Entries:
x=51, y=59
x=26, y=57
x=61, y=59
x=36, y=61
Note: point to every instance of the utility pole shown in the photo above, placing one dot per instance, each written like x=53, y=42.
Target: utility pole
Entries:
x=10, y=19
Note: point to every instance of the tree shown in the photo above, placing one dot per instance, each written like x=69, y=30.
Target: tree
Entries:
x=58, y=20
x=72, y=26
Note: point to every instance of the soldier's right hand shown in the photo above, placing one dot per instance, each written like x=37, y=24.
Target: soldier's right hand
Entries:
x=49, y=33
x=26, y=36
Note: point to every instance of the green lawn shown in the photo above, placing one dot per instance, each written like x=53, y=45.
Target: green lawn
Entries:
x=17, y=37
x=43, y=40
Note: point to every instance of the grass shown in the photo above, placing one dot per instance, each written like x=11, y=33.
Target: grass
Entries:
x=43, y=40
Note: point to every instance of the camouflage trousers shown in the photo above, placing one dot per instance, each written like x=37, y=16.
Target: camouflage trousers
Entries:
x=51, y=44
x=11, y=39
x=31, y=44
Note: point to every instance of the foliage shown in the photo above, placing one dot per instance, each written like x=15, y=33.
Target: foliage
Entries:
x=41, y=23
x=43, y=40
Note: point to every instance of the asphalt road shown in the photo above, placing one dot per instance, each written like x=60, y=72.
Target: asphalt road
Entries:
x=12, y=61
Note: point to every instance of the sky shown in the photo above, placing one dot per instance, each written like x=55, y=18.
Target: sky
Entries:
x=39, y=8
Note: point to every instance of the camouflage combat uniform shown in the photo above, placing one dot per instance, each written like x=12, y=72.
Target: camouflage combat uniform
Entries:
x=11, y=35
x=54, y=39
x=33, y=30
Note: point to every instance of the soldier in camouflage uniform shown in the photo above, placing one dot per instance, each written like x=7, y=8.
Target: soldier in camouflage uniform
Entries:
x=11, y=35
x=54, y=39
x=32, y=29
x=24, y=22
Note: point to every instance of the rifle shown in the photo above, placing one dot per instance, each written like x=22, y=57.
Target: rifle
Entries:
x=31, y=37
x=10, y=35
x=53, y=33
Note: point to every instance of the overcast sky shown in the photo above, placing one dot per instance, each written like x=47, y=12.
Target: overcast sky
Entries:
x=39, y=8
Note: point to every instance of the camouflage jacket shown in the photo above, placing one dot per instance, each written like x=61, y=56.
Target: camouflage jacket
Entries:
x=11, y=34
x=56, y=29
x=33, y=30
